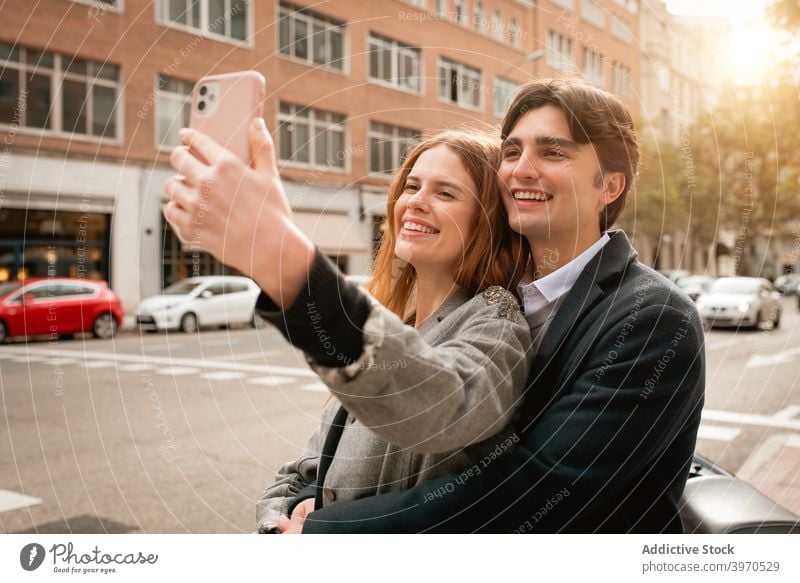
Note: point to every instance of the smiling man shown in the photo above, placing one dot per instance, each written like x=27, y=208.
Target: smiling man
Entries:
x=604, y=439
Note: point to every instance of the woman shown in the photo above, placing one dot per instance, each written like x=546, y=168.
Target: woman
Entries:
x=448, y=379
x=450, y=376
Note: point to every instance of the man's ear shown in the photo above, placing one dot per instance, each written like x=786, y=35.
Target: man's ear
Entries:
x=613, y=186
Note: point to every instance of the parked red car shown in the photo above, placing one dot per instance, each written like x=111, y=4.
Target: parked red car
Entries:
x=56, y=306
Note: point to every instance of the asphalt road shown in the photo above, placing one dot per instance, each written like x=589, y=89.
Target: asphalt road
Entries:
x=175, y=433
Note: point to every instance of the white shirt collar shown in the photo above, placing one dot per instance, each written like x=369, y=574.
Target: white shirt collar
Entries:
x=537, y=294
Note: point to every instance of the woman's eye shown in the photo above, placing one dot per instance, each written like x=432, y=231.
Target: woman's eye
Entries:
x=410, y=187
x=447, y=194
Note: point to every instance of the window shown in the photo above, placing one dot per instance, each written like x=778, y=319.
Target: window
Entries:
x=394, y=63
x=236, y=288
x=223, y=18
x=178, y=262
x=477, y=17
x=620, y=30
x=497, y=25
x=559, y=51
x=311, y=137
x=88, y=92
x=216, y=289
x=441, y=7
x=310, y=37
x=174, y=98
x=513, y=32
x=592, y=66
x=461, y=12
x=504, y=91
x=593, y=13
x=621, y=80
x=420, y=3
x=459, y=84
x=102, y=6
x=388, y=146
x=565, y=4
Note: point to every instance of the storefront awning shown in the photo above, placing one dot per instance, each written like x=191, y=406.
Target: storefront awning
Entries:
x=335, y=234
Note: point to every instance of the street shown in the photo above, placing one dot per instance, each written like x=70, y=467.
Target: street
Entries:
x=177, y=433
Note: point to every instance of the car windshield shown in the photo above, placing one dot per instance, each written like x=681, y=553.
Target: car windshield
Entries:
x=8, y=287
x=735, y=285
x=181, y=288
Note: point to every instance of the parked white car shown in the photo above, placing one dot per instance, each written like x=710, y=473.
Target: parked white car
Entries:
x=740, y=301
x=189, y=304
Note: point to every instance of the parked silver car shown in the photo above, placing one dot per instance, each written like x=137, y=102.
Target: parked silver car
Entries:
x=740, y=301
x=696, y=285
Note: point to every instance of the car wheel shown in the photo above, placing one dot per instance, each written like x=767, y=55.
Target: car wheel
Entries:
x=758, y=320
x=104, y=326
x=3, y=332
x=189, y=323
x=257, y=321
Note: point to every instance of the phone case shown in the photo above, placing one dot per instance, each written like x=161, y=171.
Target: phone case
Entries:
x=224, y=105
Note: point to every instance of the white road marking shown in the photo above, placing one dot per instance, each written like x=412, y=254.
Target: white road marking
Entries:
x=12, y=500
x=96, y=364
x=177, y=370
x=30, y=359
x=785, y=357
x=318, y=387
x=272, y=381
x=247, y=355
x=788, y=413
x=717, y=433
x=721, y=344
x=119, y=357
x=135, y=367
x=222, y=375
x=748, y=419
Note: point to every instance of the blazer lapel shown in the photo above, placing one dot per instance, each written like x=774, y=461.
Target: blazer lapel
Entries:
x=597, y=279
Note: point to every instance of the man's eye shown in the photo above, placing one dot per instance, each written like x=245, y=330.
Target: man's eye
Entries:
x=510, y=153
x=555, y=154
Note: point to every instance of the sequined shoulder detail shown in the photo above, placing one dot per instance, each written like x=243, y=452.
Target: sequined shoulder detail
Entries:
x=507, y=304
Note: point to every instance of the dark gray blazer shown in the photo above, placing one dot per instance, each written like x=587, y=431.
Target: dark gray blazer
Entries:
x=606, y=432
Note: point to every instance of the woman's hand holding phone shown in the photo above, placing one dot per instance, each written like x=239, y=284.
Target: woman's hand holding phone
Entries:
x=237, y=213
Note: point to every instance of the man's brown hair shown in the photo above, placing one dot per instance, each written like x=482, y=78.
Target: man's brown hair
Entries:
x=594, y=117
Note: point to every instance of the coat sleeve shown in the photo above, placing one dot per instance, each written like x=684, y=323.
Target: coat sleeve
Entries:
x=293, y=477
x=433, y=398
x=617, y=416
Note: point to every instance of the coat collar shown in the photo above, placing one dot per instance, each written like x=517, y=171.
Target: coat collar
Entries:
x=599, y=275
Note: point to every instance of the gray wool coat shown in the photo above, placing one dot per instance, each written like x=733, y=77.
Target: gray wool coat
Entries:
x=427, y=394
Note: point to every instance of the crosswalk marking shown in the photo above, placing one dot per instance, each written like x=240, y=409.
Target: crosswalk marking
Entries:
x=222, y=375
x=717, y=433
x=177, y=370
x=272, y=381
x=134, y=367
x=318, y=387
x=96, y=364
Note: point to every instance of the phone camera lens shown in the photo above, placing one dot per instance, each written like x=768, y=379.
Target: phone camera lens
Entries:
x=201, y=106
x=203, y=90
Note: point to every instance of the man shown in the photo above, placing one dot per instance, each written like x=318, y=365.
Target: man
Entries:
x=605, y=437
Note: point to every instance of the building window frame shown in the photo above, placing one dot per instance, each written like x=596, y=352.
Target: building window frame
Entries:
x=161, y=95
x=398, y=51
x=56, y=68
x=402, y=140
x=559, y=51
x=504, y=90
x=288, y=14
x=592, y=67
x=445, y=70
x=314, y=118
x=162, y=10
x=103, y=6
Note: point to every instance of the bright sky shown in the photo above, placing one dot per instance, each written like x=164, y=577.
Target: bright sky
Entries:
x=753, y=43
